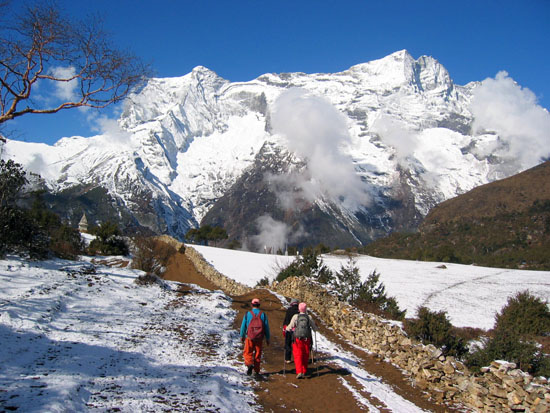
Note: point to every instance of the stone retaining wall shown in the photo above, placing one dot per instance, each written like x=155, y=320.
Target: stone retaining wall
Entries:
x=227, y=285
x=499, y=388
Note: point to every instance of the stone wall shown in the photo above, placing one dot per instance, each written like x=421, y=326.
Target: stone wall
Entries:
x=227, y=285
x=499, y=388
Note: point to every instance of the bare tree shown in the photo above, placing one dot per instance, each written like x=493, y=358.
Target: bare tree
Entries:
x=49, y=62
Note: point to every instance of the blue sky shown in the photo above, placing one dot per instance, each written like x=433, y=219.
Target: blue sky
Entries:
x=242, y=39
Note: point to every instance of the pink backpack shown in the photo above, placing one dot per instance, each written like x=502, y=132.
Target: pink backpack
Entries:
x=255, y=329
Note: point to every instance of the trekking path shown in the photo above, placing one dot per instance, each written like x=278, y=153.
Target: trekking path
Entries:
x=343, y=378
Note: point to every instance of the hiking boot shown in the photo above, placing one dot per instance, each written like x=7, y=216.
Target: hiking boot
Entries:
x=258, y=376
x=300, y=376
x=288, y=361
x=249, y=370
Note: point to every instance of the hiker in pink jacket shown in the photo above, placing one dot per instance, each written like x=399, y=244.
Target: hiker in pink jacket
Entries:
x=301, y=325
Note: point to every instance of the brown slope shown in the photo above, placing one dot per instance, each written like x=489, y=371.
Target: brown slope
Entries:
x=514, y=194
x=503, y=224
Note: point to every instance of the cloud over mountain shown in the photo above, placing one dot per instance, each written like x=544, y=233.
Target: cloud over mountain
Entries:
x=316, y=132
x=503, y=106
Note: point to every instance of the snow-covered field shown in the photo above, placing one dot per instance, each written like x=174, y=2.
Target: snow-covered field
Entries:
x=78, y=340
x=470, y=295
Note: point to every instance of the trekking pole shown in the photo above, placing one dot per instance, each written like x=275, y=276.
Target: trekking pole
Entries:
x=317, y=366
x=284, y=361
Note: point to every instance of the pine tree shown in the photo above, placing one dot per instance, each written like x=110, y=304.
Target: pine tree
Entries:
x=347, y=281
x=372, y=291
x=12, y=218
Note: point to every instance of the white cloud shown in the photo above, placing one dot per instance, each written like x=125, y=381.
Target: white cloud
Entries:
x=37, y=165
x=109, y=127
x=316, y=132
x=272, y=234
x=396, y=134
x=64, y=89
x=502, y=106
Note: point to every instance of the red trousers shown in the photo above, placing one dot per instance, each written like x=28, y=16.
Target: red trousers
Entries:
x=252, y=353
x=300, y=349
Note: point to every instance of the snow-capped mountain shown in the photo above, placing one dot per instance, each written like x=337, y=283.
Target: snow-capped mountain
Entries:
x=285, y=157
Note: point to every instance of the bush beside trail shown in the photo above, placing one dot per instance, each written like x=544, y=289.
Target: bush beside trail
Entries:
x=152, y=255
x=519, y=327
x=346, y=284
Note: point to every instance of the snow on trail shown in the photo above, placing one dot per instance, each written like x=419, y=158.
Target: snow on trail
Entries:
x=369, y=383
x=78, y=337
x=75, y=340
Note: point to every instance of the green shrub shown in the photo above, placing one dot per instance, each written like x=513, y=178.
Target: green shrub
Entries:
x=519, y=322
x=234, y=245
x=291, y=270
x=372, y=292
x=109, y=240
x=509, y=347
x=347, y=281
x=524, y=315
x=433, y=327
x=263, y=282
x=66, y=242
x=12, y=220
x=309, y=265
x=391, y=309
x=206, y=233
x=63, y=241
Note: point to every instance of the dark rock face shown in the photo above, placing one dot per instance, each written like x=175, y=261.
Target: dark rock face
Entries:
x=254, y=195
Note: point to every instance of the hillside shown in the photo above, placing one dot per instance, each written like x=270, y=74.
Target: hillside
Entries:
x=505, y=224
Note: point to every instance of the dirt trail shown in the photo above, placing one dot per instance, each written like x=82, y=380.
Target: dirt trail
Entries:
x=323, y=390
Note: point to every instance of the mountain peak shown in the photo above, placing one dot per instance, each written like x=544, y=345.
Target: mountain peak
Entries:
x=203, y=70
x=400, y=68
x=194, y=137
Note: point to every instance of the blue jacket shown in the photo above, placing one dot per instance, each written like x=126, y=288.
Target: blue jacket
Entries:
x=248, y=317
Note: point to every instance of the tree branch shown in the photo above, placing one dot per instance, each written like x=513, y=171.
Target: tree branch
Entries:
x=40, y=42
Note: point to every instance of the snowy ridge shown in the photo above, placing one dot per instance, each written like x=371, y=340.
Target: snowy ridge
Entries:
x=185, y=141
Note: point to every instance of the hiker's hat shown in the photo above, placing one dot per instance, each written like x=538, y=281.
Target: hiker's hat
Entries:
x=255, y=301
x=294, y=301
x=302, y=307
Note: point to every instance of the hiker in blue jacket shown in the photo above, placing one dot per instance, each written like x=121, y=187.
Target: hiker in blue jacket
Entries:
x=253, y=330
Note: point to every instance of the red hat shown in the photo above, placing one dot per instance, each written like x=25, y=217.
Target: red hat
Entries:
x=256, y=301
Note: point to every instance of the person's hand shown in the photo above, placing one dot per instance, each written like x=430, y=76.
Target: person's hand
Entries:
x=267, y=342
x=242, y=339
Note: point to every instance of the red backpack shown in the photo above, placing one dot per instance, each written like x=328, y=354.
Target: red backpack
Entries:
x=255, y=329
